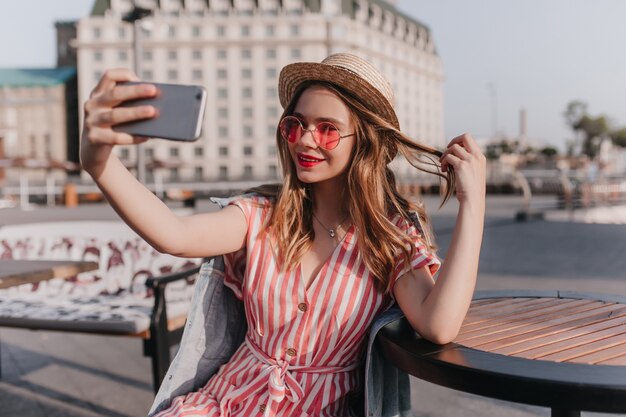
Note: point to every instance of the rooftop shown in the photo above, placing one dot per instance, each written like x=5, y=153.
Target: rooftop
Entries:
x=35, y=77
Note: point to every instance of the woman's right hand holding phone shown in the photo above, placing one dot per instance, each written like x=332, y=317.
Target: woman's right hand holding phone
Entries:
x=101, y=113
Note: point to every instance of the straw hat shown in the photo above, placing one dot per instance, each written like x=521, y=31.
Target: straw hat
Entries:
x=345, y=70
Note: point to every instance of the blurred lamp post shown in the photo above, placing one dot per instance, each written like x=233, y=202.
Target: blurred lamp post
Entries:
x=493, y=93
x=135, y=16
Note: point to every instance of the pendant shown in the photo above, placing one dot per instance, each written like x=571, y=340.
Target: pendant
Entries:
x=331, y=232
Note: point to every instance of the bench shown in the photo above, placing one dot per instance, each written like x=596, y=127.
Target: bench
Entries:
x=136, y=292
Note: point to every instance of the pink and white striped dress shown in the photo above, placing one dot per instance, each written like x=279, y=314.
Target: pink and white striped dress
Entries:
x=303, y=345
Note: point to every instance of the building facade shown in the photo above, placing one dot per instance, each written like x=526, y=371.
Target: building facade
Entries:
x=236, y=48
x=38, y=120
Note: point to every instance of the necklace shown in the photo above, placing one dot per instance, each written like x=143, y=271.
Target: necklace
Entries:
x=331, y=232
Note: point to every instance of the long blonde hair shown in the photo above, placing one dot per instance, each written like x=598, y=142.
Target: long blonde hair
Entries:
x=371, y=190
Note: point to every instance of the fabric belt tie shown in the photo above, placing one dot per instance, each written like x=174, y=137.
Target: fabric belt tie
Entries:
x=277, y=379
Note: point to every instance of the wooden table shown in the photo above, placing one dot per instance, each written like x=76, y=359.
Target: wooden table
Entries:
x=18, y=272
x=562, y=350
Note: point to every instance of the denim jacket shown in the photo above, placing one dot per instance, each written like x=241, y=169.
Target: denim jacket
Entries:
x=216, y=327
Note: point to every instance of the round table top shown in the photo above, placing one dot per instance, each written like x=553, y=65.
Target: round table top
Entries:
x=556, y=349
x=548, y=328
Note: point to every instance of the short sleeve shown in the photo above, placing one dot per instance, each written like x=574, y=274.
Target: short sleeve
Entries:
x=421, y=256
x=255, y=209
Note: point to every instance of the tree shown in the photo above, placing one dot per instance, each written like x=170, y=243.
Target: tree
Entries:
x=594, y=129
x=619, y=137
x=549, y=152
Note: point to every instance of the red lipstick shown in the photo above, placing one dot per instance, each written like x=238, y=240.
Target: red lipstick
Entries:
x=308, y=161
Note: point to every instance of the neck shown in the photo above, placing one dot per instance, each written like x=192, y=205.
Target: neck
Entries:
x=329, y=202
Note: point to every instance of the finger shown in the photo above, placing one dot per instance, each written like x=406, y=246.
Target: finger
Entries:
x=469, y=143
x=121, y=93
x=451, y=160
x=117, y=115
x=466, y=141
x=459, y=151
x=114, y=76
x=106, y=136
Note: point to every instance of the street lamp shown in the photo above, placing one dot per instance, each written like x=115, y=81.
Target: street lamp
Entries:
x=135, y=16
x=493, y=93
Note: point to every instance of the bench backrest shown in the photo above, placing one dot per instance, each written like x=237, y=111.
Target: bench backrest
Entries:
x=125, y=259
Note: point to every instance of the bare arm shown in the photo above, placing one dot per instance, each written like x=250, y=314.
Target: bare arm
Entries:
x=193, y=236
x=441, y=307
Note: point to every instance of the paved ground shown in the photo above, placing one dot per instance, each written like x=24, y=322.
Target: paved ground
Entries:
x=61, y=374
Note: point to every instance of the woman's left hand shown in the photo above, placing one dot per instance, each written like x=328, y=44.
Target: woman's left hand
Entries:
x=469, y=163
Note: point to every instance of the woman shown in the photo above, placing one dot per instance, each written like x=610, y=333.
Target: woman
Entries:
x=316, y=259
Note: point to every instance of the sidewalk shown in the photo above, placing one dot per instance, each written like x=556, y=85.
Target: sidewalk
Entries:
x=71, y=375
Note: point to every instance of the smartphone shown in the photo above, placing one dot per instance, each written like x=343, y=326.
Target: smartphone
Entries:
x=180, y=112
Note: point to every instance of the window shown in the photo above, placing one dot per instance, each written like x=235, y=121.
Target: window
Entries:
x=122, y=55
x=272, y=172
x=196, y=74
x=33, y=146
x=272, y=111
x=198, y=151
x=97, y=56
x=223, y=151
x=121, y=32
x=222, y=93
x=222, y=74
x=246, y=92
x=247, y=171
x=271, y=130
x=196, y=54
x=246, y=73
x=222, y=112
x=174, y=174
x=246, y=53
x=172, y=55
x=270, y=53
x=124, y=153
x=172, y=75
x=247, y=150
x=269, y=30
x=245, y=30
x=97, y=75
x=147, y=55
x=271, y=92
x=174, y=152
x=48, y=145
x=295, y=53
x=247, y=133
x=147, y=75
x=222, y=53
x=195, y=31
x=221, y=31
x=223, y=174
x=294, y=30
x=198, y=173
x=223, y=131
x=271, y=150
x=171, y=31
x=271, y=73
x=247, y=112
x=150, y=153
x=97, y=33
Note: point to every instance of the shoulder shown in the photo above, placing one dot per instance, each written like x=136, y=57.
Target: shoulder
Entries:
x=401, y=222
x=248, y=200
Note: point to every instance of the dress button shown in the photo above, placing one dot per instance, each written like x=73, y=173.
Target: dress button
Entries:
x=291, y=352
x=262, y=408
x=302, y=307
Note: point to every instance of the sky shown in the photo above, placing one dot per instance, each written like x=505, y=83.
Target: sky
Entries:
x=498, y=57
